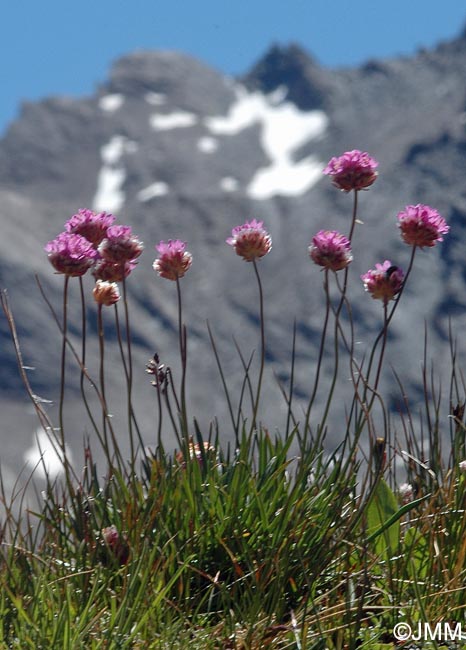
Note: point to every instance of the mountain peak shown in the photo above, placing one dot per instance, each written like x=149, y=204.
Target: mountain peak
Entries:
x=170, y=73
x=293, y=67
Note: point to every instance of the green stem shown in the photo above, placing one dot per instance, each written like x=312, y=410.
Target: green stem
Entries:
x=262, y=356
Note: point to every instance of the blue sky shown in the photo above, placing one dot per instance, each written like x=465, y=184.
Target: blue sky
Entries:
x=58, y=47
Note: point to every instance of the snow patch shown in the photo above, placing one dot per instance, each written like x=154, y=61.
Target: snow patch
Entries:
x=153, y=191
x=168, y=121
x=229, y=184
x=109, y=196
x=155, y=99
x=207, y=144
x=284, y=129
x=45, y=456
x=111, y=103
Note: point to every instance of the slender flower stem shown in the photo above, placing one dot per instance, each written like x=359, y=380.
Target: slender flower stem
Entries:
x=129, y=380
x=83, y=357
x=338, y=327
x=262, y=356
x=183, y=356
x=388, y=319
x=321, y=354
x=100, y=328
x=354, y=215
x=388, y=315
x=63, y=363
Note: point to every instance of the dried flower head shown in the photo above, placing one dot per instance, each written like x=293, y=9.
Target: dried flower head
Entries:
x=250, y=241
x=120, y=245
x=421, y=225
x=384, y=282
x=70, y=254
x=159, y=371
x=406, y=492
x=173, y=261
x=354, y=170
x=462, y=466
x=106, y=293
x=90, y=225
x=331, y=250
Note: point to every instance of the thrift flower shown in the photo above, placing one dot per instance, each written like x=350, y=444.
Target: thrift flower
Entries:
x=70, y=254
x=354, y=170
x=331, y=250
x=384, y=282
x=250, y=240
x=106, y=293
x=173, y=261
x=90, y=225
x=115, y=544
x=111, y=271
x=421, y=225
x=120, y=245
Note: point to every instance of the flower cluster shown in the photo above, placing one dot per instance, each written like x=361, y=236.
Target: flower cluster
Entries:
x=250, y=241
x=331, y=250
x=384, y=282
x=421, y=225
x=173, y=261
x=354, y=170
x=92, y=241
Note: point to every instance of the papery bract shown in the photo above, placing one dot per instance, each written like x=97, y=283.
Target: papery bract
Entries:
x=250, y=240
x=106, y=293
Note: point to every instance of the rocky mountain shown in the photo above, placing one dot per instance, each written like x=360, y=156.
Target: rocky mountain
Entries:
x=177, y=150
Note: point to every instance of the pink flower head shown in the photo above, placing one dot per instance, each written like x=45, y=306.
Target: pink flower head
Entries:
x=250, y=240
x=120, y=245
x=90, y=225
x=421, y=225
x=106, y=293
x=70, y=254
x=173, y=261
x=331, y=250
x=112, y=271
x=354, y=170
x=384, y=282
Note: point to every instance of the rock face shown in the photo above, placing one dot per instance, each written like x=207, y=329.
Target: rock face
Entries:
x=177, y=150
